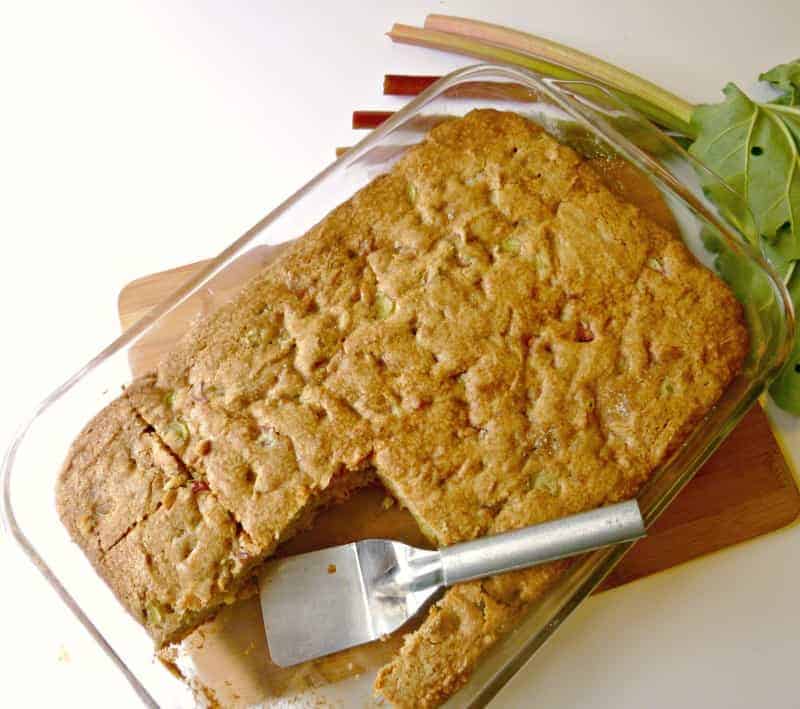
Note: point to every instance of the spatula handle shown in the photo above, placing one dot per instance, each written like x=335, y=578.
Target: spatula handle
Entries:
x=539, y=543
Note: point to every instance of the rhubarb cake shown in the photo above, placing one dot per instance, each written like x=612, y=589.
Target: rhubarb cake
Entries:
x=487, y=330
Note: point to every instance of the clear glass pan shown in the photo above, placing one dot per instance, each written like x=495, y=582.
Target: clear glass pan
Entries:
x=578, y=113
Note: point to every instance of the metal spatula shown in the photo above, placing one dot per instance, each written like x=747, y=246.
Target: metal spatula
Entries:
x=325, y=601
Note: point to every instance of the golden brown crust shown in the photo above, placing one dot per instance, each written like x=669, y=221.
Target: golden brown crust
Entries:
x=493, y=331
x=161, y=541
x=175, y=567
x=617, y=341
x=153, y=527
x=116, y=473
x=438, y=658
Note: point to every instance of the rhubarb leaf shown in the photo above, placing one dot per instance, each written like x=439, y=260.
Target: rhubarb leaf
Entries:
x=785, y=390
x=786, y=78
x=755, y=148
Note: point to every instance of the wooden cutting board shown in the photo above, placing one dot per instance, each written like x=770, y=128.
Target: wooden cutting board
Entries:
x=743, y=491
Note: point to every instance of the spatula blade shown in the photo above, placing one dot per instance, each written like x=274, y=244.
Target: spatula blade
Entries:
x=313, y=604
x=318, y=603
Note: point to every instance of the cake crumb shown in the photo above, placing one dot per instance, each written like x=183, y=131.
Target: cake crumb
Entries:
x=331, y=568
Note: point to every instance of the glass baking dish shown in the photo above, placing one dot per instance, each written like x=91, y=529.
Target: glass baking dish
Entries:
x=578, y=113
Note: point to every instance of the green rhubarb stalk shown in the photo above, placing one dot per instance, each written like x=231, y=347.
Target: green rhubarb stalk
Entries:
x=586, y=64
x=448, y=42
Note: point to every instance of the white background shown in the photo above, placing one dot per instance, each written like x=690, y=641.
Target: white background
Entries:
x=139, y=136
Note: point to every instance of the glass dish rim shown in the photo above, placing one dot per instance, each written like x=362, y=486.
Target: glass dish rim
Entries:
x=558, y=92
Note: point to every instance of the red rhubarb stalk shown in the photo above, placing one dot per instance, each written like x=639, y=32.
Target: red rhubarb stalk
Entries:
x=369, y=119
x=403, y=85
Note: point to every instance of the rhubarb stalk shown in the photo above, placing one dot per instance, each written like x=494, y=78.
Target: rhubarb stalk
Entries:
x=369, y=119
x=458, y=44
x=402, y=85
x=608, y=74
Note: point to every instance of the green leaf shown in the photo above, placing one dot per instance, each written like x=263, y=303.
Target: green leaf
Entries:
x=746, y=280
x=786, y=78
x=785, y=390
x=755, y=148
x=782, y=254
